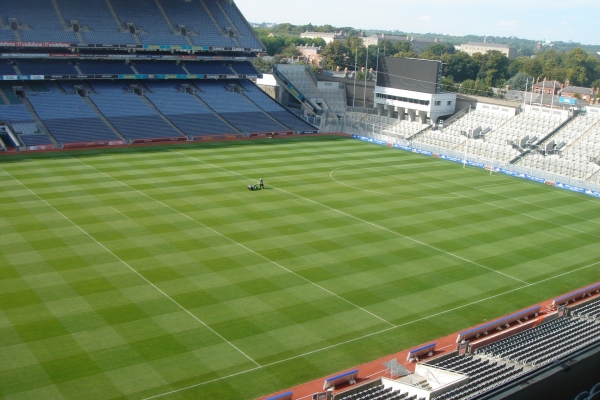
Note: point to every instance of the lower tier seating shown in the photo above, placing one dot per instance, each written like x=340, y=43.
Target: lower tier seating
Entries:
x=135, y=110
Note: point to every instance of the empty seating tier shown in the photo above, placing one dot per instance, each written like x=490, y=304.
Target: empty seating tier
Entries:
x=70, y=120
x=275, y=110
x=183, y=23
x=186, y=112
x=129, y=114
x=237, y=110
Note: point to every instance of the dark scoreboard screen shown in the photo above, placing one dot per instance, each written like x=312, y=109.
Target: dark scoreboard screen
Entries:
x=409, y=74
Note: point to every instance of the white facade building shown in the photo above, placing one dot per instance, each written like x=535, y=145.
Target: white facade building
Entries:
x=326, y=36
x=415, y=106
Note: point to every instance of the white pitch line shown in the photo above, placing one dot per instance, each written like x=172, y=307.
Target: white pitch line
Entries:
x=376, y=333
x=131, y=268
x=119, y=212
x=470, y=198
x=363, y=221
x=236, y=242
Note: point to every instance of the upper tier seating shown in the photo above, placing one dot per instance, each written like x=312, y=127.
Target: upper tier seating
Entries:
x=128, y=113
x=158, y=67
x=105, y=67
x=96, y=21
x=244, y=68
x=152, y=26
x=194, y=17
x=6, y=69
x=184, y=111
x=15, y=113
x=39, y=21
x=208, y=68
x=247, y=39
x=239, y=112
x=46, y=67
x=69, y=119
x=7, y=35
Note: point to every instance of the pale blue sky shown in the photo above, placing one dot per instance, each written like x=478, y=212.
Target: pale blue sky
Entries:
x=576, y=20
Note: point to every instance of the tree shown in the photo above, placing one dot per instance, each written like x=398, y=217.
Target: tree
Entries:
x=477, y=88
x=263, y=65
x=440, y=48
x=448, y=84
x=335, y=55
x=519, y=81
x=460, y=66
x=402, y=47
x=533, y=68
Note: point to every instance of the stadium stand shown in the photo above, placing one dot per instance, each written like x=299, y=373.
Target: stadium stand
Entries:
x=192, y=117
x=507, y=360
x=305, y=83
x=390, y=127
x=128, y=112
x=573, y=152
x=6, y=68
x=158, y=67
x=46, y=67
x=208, y=68
x=110, y=109
x=104, y=67
x=168, y=22
x=69, y=119
x=275, y=110
x=236, y=109
x=244, y=68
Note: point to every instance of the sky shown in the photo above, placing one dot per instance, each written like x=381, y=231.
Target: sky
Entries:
x=550, y=20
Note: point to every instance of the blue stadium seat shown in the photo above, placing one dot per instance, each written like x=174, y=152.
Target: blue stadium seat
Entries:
x=128, y=113
x=275, y=110
x=158, y=67
x=69, y=119
x=105, y=67
x=40, y=22
x=208, y=68
x=184, y=111
x=244, y=68
x=7, y=69
x=194, y=17
x=244, y=115
x=46, y=67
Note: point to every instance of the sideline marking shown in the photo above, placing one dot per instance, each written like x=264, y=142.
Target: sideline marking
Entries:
x=375, y=333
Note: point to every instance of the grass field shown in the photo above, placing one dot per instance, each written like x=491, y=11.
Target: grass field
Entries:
x=153, y=271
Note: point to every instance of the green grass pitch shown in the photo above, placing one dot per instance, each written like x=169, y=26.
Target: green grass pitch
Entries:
x=154, y=273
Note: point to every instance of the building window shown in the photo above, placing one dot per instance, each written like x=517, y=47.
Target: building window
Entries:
x=449, y=103
x=438, y=103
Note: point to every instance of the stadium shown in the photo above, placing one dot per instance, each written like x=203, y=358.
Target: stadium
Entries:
x=418, y=249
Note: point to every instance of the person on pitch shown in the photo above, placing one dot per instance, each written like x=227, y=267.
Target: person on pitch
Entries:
x=261, y=184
